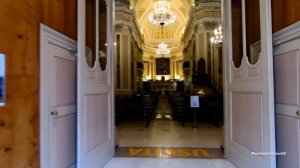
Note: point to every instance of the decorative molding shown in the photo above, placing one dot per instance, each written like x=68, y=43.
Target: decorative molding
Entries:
x=210, y=25
x=118, y=27
x=201, y=1
x=125, y=10
x=127, y=29
x=198, y=18
x=127, y=17
x=196, y=28
x=123, y=28
x=255, y=49
x=204, y=7
x=287, y=34
x=122, y=3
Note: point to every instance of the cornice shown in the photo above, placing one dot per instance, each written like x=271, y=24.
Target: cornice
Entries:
x=205, y=7
x=131, y=23
x=125, y=9
x=287, y=34
x=198, y=17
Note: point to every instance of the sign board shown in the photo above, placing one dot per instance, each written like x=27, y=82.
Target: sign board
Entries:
x=195, y=102
x=2, y=80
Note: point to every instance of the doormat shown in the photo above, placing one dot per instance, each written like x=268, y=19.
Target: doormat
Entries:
x=157, y=152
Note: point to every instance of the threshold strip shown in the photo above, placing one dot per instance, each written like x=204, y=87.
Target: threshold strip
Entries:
x=170, y=152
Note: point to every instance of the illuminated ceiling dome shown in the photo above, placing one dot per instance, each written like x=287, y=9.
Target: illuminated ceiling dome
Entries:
x=175, y=14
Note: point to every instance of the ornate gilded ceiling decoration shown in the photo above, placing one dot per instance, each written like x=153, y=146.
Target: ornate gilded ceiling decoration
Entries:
x=184, y=15
x=161, y=21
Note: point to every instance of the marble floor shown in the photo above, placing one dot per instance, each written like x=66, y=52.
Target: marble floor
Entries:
x=166, y=132
x=168, y=163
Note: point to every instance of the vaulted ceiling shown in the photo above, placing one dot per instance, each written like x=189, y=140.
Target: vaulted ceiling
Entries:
x=155, y=34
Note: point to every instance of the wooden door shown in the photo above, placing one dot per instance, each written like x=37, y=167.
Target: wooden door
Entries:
x=249, y=95
x=287, y=96
x=58, y=100
x=95, y=83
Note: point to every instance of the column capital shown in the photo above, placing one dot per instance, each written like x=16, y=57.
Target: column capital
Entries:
x=199, y=28
x=122, y=28
x=210, y=25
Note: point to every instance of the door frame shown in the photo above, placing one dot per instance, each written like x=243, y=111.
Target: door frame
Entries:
x=48, y=36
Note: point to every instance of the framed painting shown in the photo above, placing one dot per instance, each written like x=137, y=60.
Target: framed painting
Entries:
x=162, y=66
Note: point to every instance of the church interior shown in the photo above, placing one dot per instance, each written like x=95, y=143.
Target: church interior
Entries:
x=166, y=52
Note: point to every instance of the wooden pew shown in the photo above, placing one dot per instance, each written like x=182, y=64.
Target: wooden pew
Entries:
x=135, y=108
x=179, y=107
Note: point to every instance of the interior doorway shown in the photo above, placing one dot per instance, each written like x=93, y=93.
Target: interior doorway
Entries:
x=152, y=90
x=96, y=86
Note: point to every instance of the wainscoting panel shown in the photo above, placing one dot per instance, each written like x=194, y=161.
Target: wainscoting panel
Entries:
x=288, y=141
x=244, y=105
x=287, y=93
x=97, y=115
x=65, y=72
x=66, y=136
x=287, y=78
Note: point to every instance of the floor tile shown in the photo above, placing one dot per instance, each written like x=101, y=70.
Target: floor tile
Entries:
x=168, y=163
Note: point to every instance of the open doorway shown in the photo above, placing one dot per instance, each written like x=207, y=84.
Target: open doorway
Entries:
x=159, y=65
x=95, y=85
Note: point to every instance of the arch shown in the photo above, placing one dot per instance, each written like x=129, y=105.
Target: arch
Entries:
x=201, y=66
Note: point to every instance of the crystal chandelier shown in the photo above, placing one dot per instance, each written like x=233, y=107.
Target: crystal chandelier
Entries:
x=162, y=49
x=162, y=6
x=217, y=37
x=162, y=15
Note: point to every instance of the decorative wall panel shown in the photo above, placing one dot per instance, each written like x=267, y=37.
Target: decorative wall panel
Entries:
x=244, y=105
x=65, y=86
x=287, y=78
x=66, y=135
x=97, y=114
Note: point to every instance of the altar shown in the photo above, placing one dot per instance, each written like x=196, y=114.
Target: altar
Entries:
x=163, y=86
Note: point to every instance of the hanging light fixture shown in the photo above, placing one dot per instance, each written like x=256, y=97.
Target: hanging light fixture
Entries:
x=162, y=6
x=217, y=36
x=162, y=49
x=161, y=14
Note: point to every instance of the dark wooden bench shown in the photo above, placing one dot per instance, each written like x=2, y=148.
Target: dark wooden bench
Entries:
x=210, y=109
x=179, y=107
x=135, y=108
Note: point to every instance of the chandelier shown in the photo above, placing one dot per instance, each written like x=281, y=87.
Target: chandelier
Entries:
x=217, y=37
x=162, y=49
x=161, y=14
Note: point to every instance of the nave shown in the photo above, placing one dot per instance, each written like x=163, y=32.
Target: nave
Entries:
x=166, y=130
x=167, y=134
